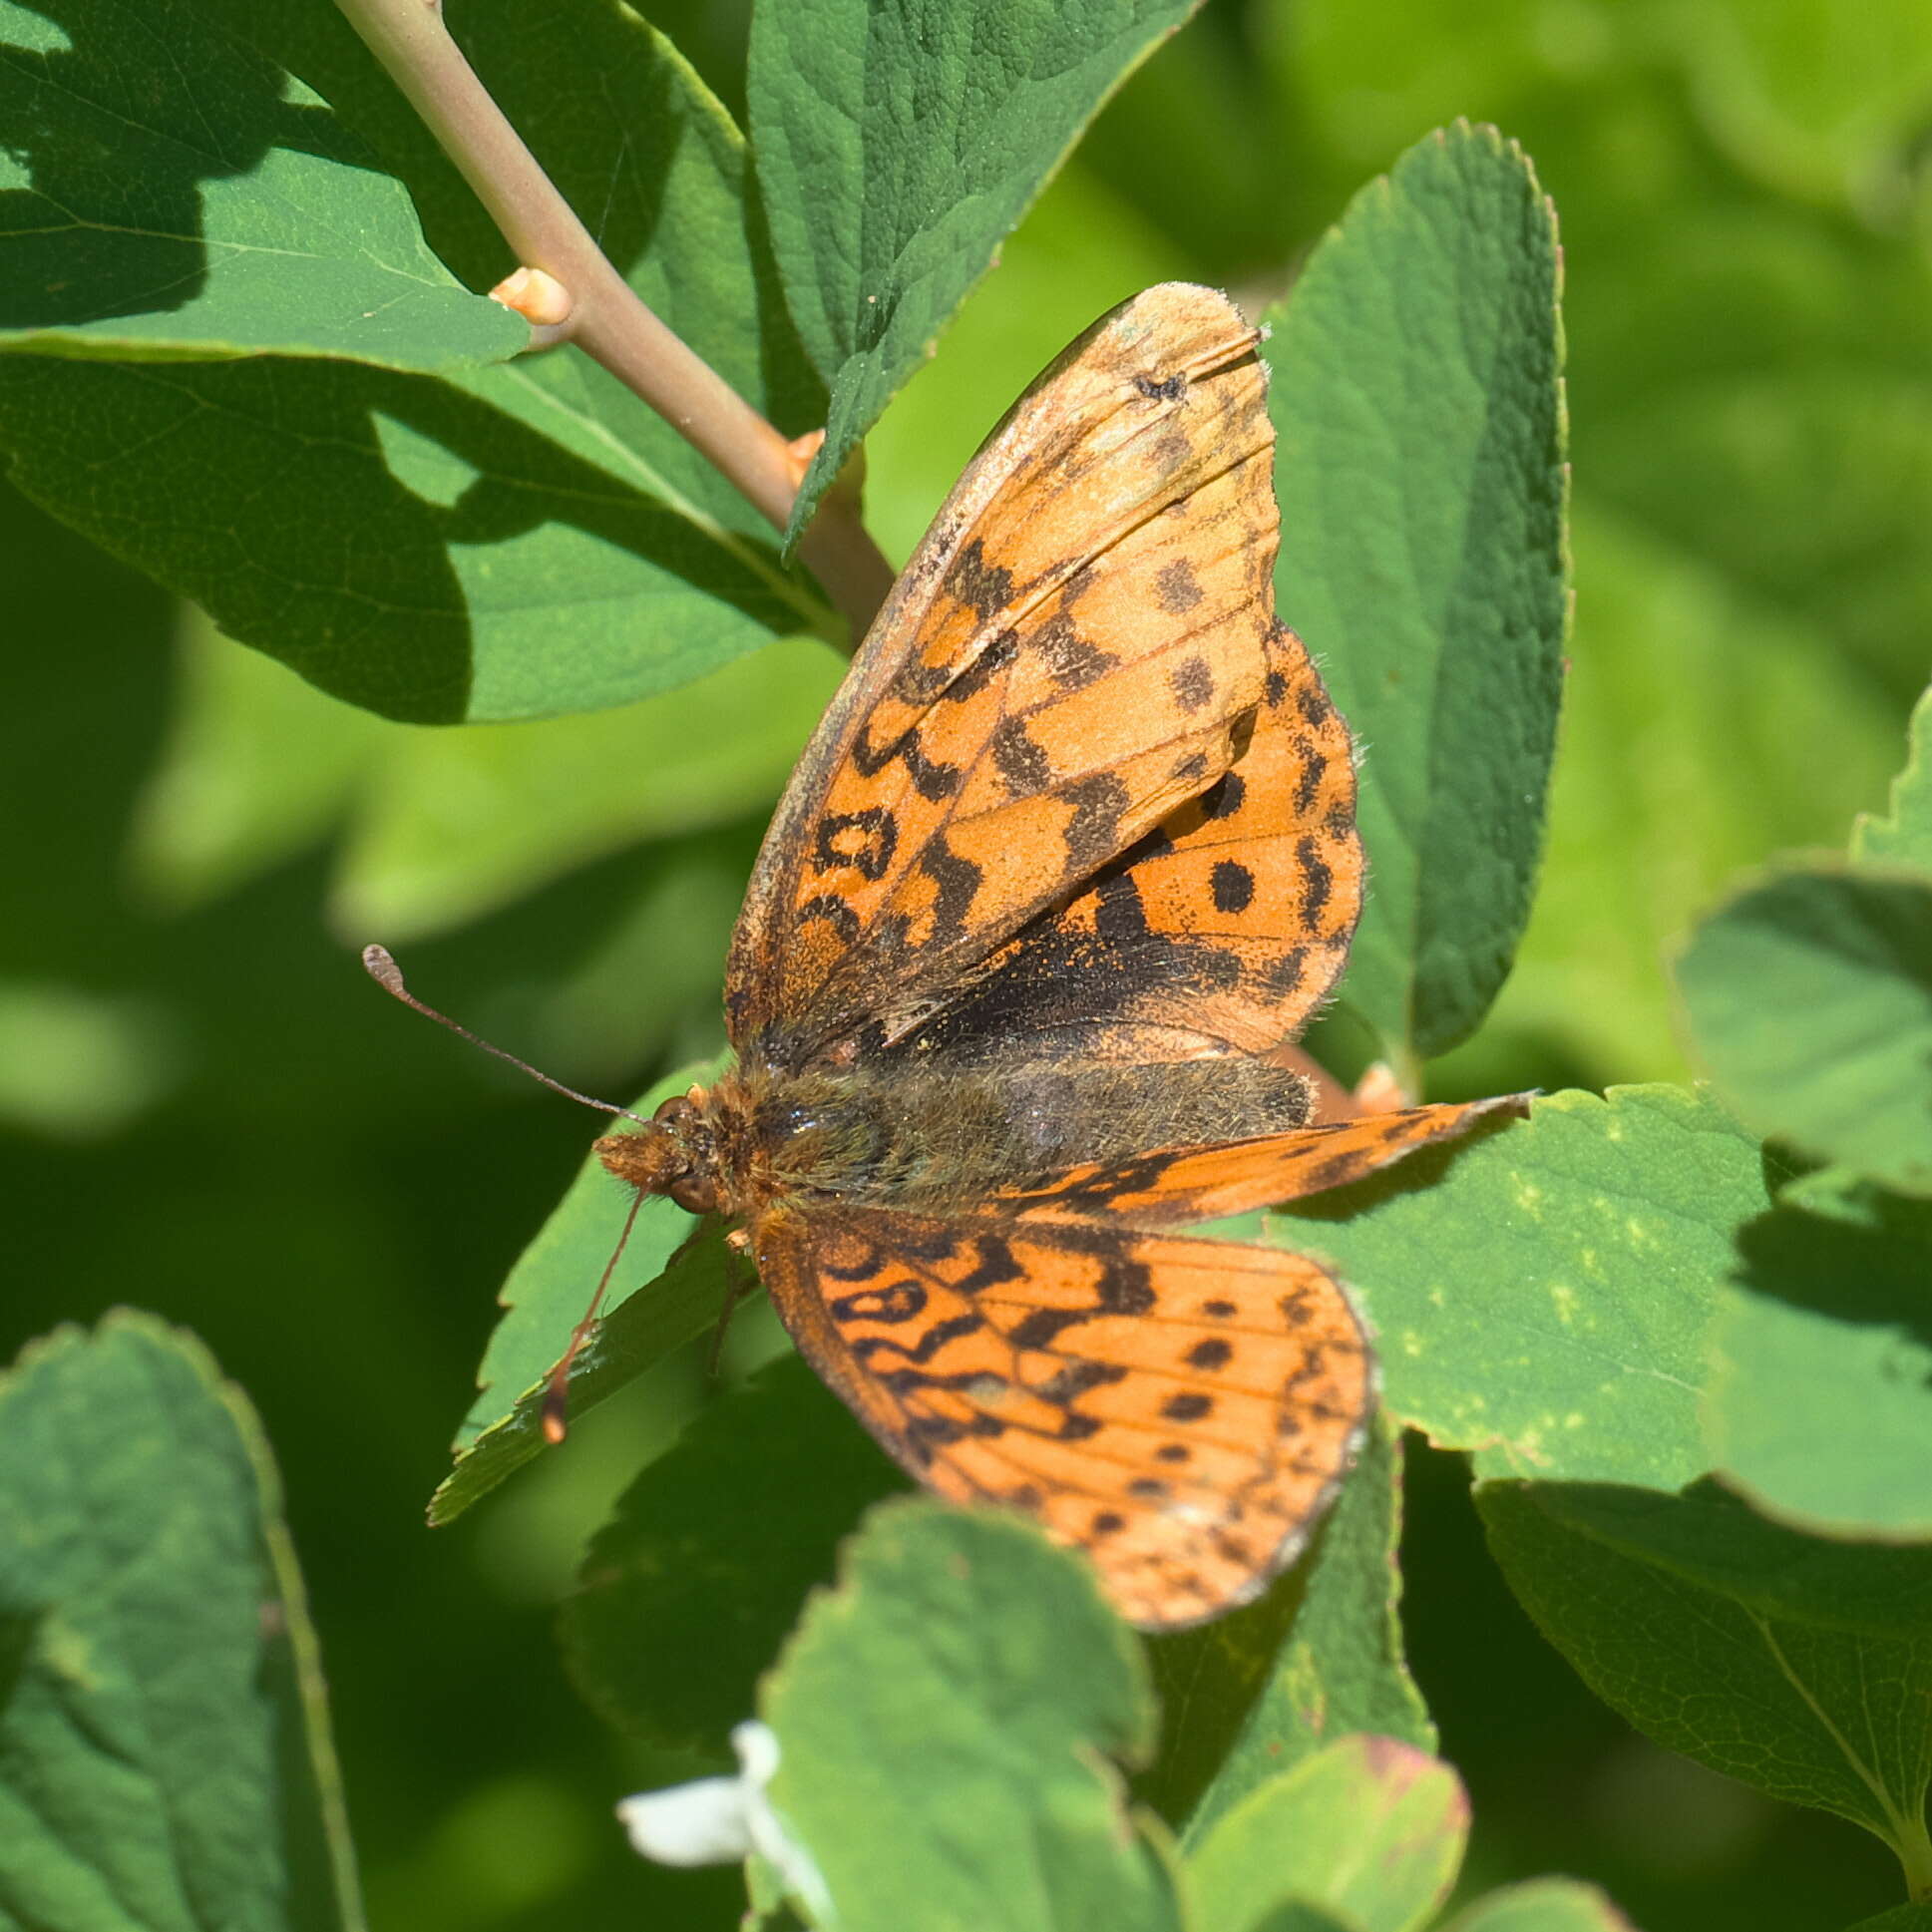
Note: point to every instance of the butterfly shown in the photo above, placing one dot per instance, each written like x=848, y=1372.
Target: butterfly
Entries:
x=1070, y=856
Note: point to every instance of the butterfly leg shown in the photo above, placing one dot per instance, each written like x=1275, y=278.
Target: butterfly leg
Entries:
x=739, y=1281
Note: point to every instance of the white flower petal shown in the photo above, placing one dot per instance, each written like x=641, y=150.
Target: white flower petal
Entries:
x=702, y=1824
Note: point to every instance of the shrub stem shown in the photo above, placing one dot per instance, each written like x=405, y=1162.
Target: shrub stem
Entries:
x=606, y=318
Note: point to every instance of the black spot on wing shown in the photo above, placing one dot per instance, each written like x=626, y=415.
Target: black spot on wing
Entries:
x=1125, y=1288
x=1093, y=834
x=901, y=1302
x=928, y=1344
x=1233, y=887
x=1192, y=682
x=1175, y=587
x=1077, y=1378
x=1023, y=765
x=1071, y=661
x=1318, y=882
x=984, y=589
x=994, y=659
x=1314, y=768
x=863, y=841
x=834, y=911
x=1225, y=797
x=917, y=682
x=1162, y=389
x=1118, y=914
x=997, y=1266
x=931, y=779
x=1286, y=972
x=958, y=880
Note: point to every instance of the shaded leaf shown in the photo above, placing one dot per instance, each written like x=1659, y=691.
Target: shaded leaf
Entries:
x=1901, y=1918
x=1821, y=1399
x=1249, y=1695
x=898, y=142
x=513, y=542
x=1810, y=997
x=1418, y=400
x=944, y=1717
x=164, y=1757
x=204, y=206
x=675, y=1269
x=711, y=1552
x=1739, y=1671
x=1367, y=1829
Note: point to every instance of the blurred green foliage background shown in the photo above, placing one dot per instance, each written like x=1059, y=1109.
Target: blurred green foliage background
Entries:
x=209, y=1113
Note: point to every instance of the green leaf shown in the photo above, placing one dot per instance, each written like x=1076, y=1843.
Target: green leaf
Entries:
x=497, y=544
x=1418, y=400
x=165, y=1757
x=1367, y=1829
x=898, y=142
x=404, y=545
x=1321, y=1654
x=1646, y=827
x=1821, y=1393
x=1726, y=1639
x=1901, y=1918
x=207, y=206
x=1905, y=836
x=1542, y=1905
x=677, y=1268
x=1543, y=1294
x=711, y=1552
x=1810, y=997
x=945, y=1718
x=445, y=826
x=538, y=799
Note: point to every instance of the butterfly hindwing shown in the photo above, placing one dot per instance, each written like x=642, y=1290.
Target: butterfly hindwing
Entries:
x=1218, y=932
x=1180, y=1410
x=1075, y=650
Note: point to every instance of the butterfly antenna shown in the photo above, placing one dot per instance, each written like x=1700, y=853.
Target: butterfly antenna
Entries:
x=557, y=1396
x=383, y=969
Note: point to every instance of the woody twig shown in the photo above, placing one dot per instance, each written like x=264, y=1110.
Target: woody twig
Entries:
x=569, y=290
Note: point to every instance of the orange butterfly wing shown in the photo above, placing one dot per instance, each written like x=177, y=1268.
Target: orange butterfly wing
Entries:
x=1182, y=1411
x=1069, y=656
x=1238, y=1176
x=1220, y=932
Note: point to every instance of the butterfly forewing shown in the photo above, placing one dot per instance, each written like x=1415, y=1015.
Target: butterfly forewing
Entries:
x=1179, y=1409
x=1235, y=1177
x=1077, y=650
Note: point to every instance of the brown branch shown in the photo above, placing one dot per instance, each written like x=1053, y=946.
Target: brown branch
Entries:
x=606, y=318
